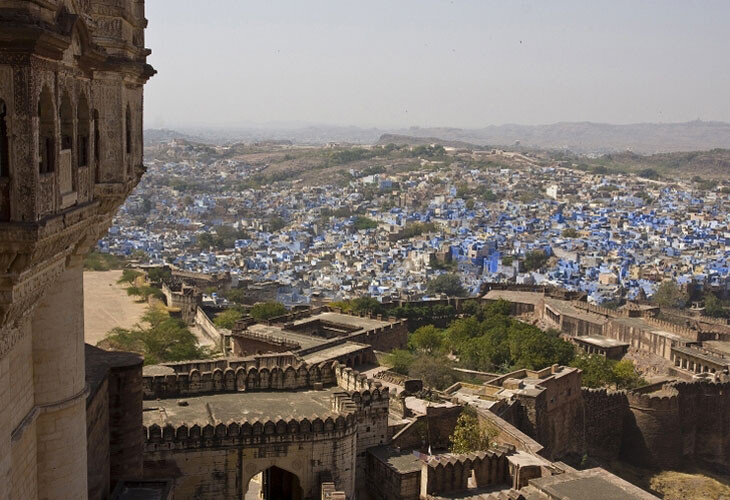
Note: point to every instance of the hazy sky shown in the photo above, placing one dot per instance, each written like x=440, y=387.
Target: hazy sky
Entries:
x=393, y=63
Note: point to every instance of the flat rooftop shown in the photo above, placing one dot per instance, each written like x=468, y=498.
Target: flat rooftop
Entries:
x=517, y=297
x=592, y=484
x=345, y=319
x=333, y=352
x=240, y=406
x=566, y=308
x=305, y=341
x=601, y=341
x=399, y=460
x=717, y=345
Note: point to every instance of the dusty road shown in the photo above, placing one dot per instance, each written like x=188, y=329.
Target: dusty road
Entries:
x=106, y=305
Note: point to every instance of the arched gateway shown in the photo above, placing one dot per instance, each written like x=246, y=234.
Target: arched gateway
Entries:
x=288, y=428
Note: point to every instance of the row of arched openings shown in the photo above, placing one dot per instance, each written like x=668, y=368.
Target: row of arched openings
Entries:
x=84, y=122
x=4, y=153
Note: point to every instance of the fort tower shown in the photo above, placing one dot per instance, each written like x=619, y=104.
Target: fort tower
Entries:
x=71, y=79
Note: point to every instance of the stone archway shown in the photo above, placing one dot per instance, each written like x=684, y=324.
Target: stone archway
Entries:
x=274, y=483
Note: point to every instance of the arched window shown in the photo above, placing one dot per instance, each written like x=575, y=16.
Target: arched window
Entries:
x=4, y=153
x=129, y=131
x=97, y=138
x=46, y=133
x=66, y=115
x=82, y=132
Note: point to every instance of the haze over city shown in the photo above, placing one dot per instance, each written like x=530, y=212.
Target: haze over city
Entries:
x=435, y=63
x=381, y=250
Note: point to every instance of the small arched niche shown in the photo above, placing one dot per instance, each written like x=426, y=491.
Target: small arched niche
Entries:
x=46, y=133
x=83, y=126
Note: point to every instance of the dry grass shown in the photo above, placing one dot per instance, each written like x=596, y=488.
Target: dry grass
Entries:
x=691, y=482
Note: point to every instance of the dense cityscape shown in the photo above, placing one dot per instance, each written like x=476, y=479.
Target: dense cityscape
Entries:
x=384, y=232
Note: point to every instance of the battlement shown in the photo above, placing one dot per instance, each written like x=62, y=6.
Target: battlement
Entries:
x=254, y=432
x=664, y=400
x=603, y=311
x=450, y=473
x=683, y=331
x=606, y=396
x=237, y=380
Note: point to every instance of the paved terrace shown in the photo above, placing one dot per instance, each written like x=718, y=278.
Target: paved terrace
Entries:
x=242, y=406
x=333, y=352
x=361, y=323
x=305, y=341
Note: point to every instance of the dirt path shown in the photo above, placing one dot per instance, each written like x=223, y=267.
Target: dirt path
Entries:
x=107, y=305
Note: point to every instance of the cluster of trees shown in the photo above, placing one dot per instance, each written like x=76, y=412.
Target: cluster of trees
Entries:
x=489, y=340
x=267, y=310
x=138, y=287
x=599, y=371
x=449, y=284
x=416, y=229
x=570, y=232
x=669, y=294
x=535, y=259
x=715, y=308
x=228, y=318
x=364, y=223
x=98, y=261
x=161, y=339
x=492, y=341
x=224, y=237
x=360, y=305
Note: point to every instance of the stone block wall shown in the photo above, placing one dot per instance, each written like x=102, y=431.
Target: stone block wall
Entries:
x=235, y=380
x=450, y=473
x=217, y=462
x=605, y=412
x=387, y=483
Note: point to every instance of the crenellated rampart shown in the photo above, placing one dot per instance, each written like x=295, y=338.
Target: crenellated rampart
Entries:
x=682, y=331
x=603, y=423
x=450, y=473
x=237, y=380
x=257, y=432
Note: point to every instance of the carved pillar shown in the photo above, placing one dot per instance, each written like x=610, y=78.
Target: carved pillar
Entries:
x=59, y=386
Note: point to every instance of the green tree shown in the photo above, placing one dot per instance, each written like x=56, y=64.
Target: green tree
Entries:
x=276, y=223
x=470, y=434
x=427, y=338
x=365, y=223
x=598, y=371
x=448, y=283
x=668, y=294
x=228, y=318
x=158, y=274
x=267, y=310
x=161, y=339
x=129, y=276
x=713, y=306
x=434, y=371
x=400, y=361
x=570, y=232
x=535, y=259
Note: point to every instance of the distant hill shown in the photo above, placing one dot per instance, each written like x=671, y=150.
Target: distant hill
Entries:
x=714, y=163
x=578, y=137
x=587, y=137
x=422, y=141
x=153, y=136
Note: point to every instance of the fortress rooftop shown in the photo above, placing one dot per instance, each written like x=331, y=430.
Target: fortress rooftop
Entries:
x=241, y=406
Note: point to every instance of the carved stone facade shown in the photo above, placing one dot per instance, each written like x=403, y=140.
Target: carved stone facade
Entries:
x=71, y=79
